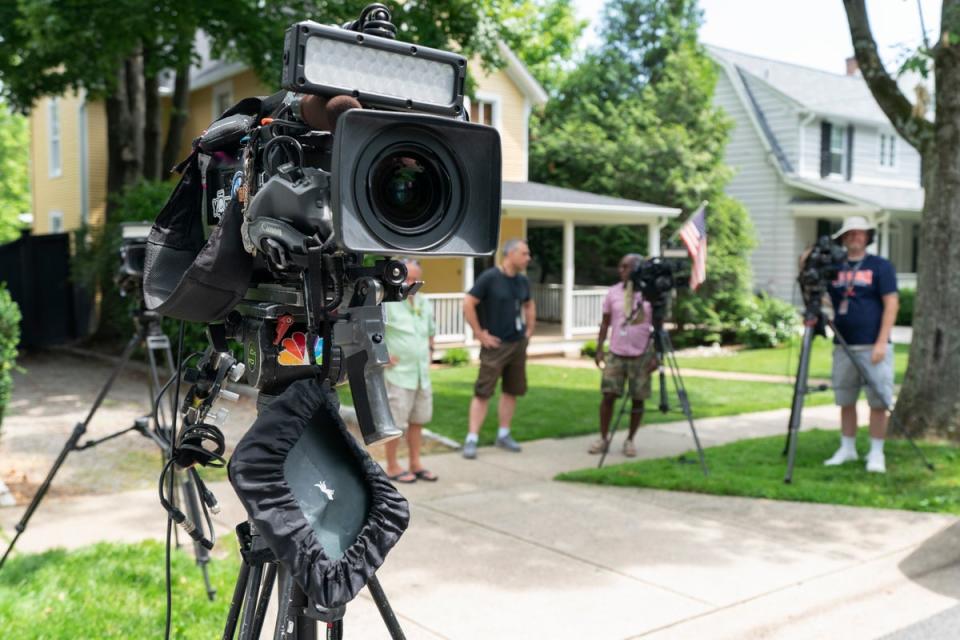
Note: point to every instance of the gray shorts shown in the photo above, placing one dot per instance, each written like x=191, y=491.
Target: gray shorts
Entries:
x=410, y=405
x=847, y=381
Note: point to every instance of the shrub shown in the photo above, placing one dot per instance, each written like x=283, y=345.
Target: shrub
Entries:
x=768, y=322
x=905, y=314
x=589, y=349
x=9, y=338
x=456, y=357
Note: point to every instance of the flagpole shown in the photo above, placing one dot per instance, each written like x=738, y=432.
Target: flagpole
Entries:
x=703, y=205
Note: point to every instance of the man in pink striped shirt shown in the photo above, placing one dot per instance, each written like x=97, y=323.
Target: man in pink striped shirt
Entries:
x=631, y=358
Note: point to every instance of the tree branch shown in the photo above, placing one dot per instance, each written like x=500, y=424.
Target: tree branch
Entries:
x=917, y=131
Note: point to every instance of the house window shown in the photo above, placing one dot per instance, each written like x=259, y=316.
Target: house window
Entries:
x=222, y=99
x=837, y=149
x=888, y=150
x=481, y=112
x=56, y=221
x=53, y=137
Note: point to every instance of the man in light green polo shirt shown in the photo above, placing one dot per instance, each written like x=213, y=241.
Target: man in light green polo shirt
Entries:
x=409, y=333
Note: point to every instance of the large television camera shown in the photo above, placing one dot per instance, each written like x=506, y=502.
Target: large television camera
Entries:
x=367, y=151
x=656, y=277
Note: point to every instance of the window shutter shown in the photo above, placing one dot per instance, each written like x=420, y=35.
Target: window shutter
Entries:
x=849, y=152
x=825, y=130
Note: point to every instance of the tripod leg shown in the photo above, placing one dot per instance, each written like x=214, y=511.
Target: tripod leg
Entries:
x=796, y=409
x=386, y=611
x=71, y=444
x=265, y=592
x=682, y=397
x=616, y=424
x=865, y=375
x=233, y=615
x=291, y=623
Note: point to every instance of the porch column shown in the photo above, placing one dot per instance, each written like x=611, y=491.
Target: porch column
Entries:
x=884, y=228
x=467, y=285
x=653, y=238
x=567, y=312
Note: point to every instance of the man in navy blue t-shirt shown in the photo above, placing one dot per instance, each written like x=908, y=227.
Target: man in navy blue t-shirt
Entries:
x=865, y=303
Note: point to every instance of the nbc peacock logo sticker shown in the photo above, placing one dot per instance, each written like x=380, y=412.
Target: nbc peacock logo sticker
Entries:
x=294, y=352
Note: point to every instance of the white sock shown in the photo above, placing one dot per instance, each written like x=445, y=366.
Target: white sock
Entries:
x=473, y=437
x=848, y=443
x=503, y=432
x=876, y=446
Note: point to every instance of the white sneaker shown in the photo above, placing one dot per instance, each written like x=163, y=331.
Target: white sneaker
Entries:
x=842, y=455
x=876, y=463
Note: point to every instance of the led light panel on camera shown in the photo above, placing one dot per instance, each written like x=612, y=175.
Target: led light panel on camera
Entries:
x=379, y=72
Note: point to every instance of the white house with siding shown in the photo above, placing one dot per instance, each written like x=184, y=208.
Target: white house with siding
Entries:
x=809, y=148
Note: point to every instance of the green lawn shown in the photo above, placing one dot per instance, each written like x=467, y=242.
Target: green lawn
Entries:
x=113, y=591
x=755, y=468
x=783, y=360
x=564, y=401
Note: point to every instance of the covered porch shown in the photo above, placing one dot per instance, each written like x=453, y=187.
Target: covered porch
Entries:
x=568, y=314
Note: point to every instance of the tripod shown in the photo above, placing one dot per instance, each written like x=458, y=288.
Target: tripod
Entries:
x=667, y=358
x=148, y=334
x=813, y=316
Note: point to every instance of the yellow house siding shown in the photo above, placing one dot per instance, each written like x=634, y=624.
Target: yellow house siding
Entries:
x=442, y=275
x=510, y=118
x=97, y=163
x=55, y=193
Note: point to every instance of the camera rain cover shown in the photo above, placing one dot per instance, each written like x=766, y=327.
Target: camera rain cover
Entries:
x=322, y=504
x=186, y=276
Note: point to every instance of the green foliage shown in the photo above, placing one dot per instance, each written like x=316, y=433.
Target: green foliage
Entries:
x=14, y=178
x=9, y=339
x=906, y=485
x=768, y=322
x=456, y=357
x=636, y=120
x=589, y=349
x=97, y=254
x=905, y=312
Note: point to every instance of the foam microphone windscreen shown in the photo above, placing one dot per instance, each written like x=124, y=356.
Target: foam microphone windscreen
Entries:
x=322, y=114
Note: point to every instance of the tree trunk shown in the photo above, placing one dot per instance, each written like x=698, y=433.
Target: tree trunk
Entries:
x=178, y=120
x=928, y=401
x=125, y=114
x=151, y=126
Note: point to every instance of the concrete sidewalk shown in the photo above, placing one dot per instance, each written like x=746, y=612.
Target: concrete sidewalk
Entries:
x=496, y=548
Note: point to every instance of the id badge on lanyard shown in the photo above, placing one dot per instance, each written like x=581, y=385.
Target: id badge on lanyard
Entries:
x=844, y=307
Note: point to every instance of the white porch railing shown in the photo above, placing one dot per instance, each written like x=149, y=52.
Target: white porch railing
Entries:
x=549, y=301
x=907, y=280
x=448, y=315
x=588, y=309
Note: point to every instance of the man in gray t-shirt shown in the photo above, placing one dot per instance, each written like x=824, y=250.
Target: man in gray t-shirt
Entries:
x=502, y=315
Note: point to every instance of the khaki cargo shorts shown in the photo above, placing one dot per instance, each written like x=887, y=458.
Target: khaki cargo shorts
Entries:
x=410, y=405
x=508, y=361
x=622, y=369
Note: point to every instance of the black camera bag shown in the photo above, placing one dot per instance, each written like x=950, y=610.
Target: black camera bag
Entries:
x=323, y=506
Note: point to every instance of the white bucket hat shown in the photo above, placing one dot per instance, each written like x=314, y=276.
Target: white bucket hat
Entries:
x=854, y=223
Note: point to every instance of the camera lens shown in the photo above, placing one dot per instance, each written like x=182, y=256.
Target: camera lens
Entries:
x=409, y=189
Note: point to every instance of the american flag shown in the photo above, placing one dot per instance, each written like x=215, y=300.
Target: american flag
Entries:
x=694, y=236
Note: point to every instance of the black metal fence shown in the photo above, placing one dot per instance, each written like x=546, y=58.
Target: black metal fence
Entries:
x=36, y=270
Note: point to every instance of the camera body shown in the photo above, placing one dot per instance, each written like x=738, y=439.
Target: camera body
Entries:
x=656, y=277
x=821, y=265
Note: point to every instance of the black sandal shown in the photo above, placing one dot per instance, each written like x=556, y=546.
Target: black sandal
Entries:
x=426, y=475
